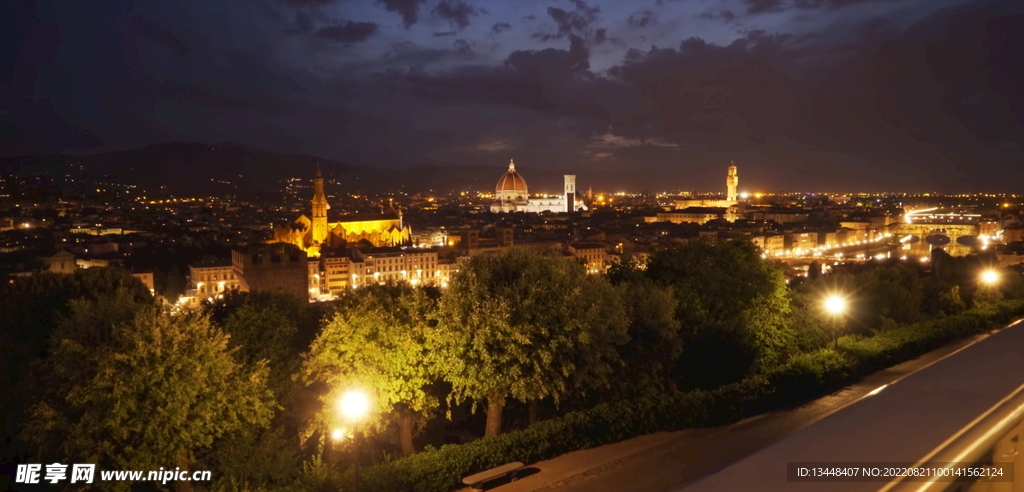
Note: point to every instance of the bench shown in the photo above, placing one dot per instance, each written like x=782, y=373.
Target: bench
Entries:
x=476, y=482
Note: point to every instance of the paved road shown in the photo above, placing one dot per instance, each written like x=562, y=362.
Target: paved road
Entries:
x=699, y=454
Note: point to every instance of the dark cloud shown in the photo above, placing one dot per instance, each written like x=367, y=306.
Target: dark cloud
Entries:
x=641, y=19
x=821, y=110
x=551, y=64
x=445, y=33
x=577, y=21
x=768, y=6
x=157, y=33
x=763, y=6
x=500, y=27
x=303, y=23
x=462, y=46
x=307, y=3
x=702, y=89
x=551, y=81
x=408, y=9
x=864, y=103
x=349, y=32
x=813, y=4
x=725, y=15
x=456, y=12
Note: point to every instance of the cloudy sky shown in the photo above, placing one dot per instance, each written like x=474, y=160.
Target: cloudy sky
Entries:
x=802, y=94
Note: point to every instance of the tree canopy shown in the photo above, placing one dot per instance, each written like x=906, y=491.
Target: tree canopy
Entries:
x=526, y=326
x=130, y=386
x=376, y=343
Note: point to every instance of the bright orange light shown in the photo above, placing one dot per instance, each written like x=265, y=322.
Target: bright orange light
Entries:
x=989, y=277
x=354, y=405
x=338, y=434
x=835, y=304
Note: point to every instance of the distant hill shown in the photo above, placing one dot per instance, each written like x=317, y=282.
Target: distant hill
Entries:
x=198, y=168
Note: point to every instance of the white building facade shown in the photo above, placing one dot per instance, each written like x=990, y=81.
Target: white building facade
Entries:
x=512, y=195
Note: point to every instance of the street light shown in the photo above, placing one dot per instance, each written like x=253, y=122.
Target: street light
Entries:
x=836, y=306
x=354, y=405
x=990, y=277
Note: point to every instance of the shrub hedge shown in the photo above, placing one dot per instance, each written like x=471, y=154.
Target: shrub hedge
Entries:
x=802, y=377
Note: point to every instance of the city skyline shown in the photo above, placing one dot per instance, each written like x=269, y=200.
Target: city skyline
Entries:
x=869, y=95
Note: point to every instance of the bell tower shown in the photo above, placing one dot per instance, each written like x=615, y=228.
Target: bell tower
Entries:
x=319, y=217
x=732, y=180
x=570, y=193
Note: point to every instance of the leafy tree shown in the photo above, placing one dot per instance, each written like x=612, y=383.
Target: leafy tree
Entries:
x=655, y=341
x=30, y=307
x=941, y=297
x=986, y=297
x=811, y=327
x=733, y=303
x=525, y=326
x=629, y=269
x=889, y=291
x=377, y=342
x=263, y=329
x=129, y=386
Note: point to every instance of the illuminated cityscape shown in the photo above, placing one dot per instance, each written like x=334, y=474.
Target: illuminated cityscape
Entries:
x=549, y=246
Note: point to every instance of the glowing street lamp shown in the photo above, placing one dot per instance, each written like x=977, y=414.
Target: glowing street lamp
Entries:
x=354, y=406
x=989, y=277
x=836, y=306
x=338, y=434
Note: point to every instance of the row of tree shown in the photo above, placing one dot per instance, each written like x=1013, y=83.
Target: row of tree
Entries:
x=248, y=388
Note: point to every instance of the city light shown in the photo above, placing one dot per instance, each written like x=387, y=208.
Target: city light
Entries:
x=835, y=305
x=338, y=434
x=354, y=405
x=989, y=277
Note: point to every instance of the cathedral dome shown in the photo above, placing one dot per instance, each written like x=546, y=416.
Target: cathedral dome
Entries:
x=511, y=183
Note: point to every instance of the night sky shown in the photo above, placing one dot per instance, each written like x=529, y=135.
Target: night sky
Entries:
x=914, y=95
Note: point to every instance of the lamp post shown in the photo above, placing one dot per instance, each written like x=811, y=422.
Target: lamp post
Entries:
x=354, y=405
x=989, y=277
x=835, y=305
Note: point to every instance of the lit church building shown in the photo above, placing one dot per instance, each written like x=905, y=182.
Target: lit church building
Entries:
x=512, y=195
x=314, y=233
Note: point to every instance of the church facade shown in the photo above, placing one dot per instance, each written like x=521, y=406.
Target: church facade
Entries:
x=512, y=195
x=316, y=232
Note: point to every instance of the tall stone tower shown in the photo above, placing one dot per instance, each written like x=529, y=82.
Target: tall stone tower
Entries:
x=731, y=182
x=570, y=193
x=319, y=218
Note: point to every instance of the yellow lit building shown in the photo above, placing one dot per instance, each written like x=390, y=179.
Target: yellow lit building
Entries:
x=592, y=253
x=337, y=270
x=311, y=234
x=381, y=265
x=210, y=279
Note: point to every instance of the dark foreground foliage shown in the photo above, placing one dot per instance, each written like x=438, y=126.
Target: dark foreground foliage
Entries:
x=803, y=377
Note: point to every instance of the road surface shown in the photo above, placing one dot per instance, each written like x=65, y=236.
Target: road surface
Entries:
x=927, y=400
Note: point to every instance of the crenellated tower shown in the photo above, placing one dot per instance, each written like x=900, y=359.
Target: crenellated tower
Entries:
x=732, y=180
x=319, y=217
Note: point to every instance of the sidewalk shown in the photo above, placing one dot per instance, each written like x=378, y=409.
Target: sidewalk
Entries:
x=569, y=471
x=580, y=465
